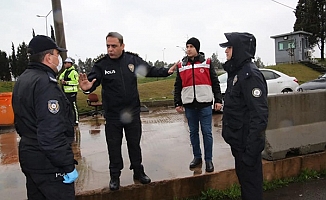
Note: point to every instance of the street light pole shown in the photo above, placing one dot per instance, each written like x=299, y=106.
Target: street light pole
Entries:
x=46, y=21
x=163, y=56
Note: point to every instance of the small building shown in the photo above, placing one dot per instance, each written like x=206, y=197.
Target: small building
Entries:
x=292, y=47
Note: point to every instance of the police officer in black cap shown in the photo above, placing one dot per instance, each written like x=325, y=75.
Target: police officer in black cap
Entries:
x=42, y=120
x=245, y=112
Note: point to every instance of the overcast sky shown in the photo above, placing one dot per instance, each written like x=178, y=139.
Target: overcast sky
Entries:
x=151, y=28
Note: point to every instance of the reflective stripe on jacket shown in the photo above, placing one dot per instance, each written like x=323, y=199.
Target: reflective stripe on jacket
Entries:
x=70, y=76
x=196, y=82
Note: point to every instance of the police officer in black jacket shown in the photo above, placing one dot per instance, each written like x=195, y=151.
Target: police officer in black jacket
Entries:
x=117, y=72
x=245, y=112
x=42, y=114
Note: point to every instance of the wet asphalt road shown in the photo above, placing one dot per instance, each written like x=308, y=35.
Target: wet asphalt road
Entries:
x=165, y=146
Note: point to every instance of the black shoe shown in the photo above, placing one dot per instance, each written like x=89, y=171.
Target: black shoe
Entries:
x=114, y=183
x=209, y=166
x=195, y=162
x=142, y=178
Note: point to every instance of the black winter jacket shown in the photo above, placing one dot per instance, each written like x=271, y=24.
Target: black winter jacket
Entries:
x=245, y=112
x=119, y=83
x=42, y=120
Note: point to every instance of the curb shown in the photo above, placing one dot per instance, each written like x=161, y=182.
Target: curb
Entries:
x=194, y=185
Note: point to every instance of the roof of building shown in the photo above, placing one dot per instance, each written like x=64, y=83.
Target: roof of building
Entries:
x=292, y=33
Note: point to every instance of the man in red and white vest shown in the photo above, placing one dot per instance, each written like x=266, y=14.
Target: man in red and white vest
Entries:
x=196, y=88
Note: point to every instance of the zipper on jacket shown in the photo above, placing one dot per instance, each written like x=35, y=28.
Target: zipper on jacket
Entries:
x=193, y=79
x=123, y=80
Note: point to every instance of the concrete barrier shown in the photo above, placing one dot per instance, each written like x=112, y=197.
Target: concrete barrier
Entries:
x=296, y=124
x=158, y=103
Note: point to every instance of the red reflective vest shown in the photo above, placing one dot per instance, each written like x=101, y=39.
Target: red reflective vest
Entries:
x=196, y=82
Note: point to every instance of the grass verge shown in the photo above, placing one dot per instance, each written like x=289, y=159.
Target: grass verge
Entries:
x=234, y=192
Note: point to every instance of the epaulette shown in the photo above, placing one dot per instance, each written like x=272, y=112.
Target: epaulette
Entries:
x=52, y=78
x=245, y=72
x=132, y=53
x=100, y=57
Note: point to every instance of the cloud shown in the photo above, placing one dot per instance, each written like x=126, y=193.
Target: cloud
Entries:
x=153, y=29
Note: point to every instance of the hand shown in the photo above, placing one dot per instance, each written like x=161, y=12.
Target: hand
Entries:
x=63, y=82
x=218, y=106
x=70, y=177
x=179, y=109
x=84, y=84
x=171, y=70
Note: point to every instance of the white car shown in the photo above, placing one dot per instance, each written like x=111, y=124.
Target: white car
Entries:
x=277, y=82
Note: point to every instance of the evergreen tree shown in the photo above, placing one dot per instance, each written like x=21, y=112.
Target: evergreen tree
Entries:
x=311, y=17
x=88, y=65
x=259, y=63
x=13, y=61
x=215, y=62
x=159, y=63
x=4, y=67
x=150, y=63
x=22, y=59
x=52, y=33
x=85, y=67
x=80, y=66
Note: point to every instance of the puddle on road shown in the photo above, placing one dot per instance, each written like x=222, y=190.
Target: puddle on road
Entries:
x=165, y=146
x=8, y=148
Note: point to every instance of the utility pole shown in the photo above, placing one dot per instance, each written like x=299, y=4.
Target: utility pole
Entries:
x=163, y=57
x=58, y=26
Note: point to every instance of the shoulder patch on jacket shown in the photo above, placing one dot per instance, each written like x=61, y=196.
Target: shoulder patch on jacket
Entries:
x=100, y=57
x=132, y=53
x=53, y=106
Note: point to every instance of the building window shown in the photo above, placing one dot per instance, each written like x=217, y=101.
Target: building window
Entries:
x=284, y=45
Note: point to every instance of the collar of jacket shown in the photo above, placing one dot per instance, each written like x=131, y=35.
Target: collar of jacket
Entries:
x=200, y=57
x=41, y=66
x=121, y=56
x=232, y=66
x=71, y=68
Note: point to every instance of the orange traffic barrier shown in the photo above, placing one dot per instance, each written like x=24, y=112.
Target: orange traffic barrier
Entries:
x=6, y=111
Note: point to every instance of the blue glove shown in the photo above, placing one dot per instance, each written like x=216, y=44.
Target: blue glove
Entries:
x=70, y=177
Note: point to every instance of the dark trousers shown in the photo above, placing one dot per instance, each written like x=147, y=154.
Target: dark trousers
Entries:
x=48, y=187
x=72, y=97
x=114, y=133
x=250, y=177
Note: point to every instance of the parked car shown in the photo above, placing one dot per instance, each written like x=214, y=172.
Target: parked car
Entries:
x=316, y=84
x=277, y=82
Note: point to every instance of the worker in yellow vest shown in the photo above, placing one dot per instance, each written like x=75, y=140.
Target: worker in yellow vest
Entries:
x=69, y=80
